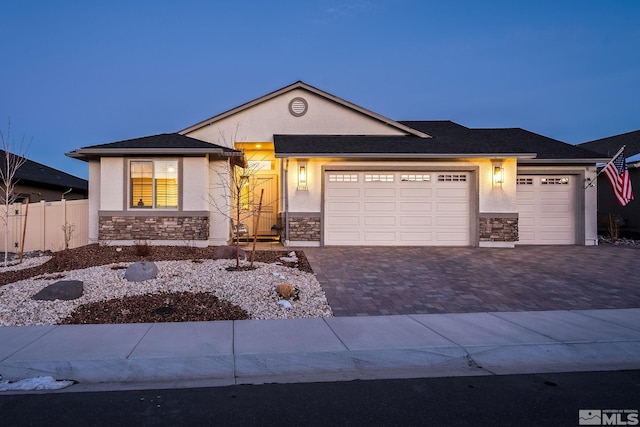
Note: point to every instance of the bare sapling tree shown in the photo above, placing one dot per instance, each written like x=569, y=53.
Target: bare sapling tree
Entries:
x=13, y=157
x=236, y=192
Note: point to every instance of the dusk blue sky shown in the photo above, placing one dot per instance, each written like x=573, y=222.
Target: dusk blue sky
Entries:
x=79, y=73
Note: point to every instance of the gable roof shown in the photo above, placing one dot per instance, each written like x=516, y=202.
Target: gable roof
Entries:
x=35, y=173
x=162, y=144
x=609, y=146
x=449, y=140
x=301, y=85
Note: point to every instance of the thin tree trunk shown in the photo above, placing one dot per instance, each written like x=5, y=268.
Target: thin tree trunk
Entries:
x=256, y=222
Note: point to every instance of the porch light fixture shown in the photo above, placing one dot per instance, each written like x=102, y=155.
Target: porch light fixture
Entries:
x=498, y=174
x=302, y=176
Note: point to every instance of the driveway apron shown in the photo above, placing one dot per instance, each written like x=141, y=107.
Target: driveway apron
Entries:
x=369, y=281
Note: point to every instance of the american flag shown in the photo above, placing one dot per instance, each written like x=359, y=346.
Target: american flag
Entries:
x=618, y=174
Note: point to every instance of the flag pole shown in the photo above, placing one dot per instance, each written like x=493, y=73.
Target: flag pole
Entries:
x=592, y=181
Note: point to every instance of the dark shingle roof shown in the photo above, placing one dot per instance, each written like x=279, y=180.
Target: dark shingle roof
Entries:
x=609, y=146
x=435, y=127
x=36, y=173
x=166, y=143
x=448, y=139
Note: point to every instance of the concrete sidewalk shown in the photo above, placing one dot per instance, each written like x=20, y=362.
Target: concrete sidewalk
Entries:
x=104, y=357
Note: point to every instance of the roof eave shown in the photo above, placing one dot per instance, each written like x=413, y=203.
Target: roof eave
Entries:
x=564, y=161
x=407, y=155
x=116, y=152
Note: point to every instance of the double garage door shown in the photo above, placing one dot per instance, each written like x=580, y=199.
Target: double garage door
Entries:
x=398, y=208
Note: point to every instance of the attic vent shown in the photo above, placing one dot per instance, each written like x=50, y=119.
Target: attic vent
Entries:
x=298, y=107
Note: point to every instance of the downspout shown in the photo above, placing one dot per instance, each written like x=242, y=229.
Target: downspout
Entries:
x=286, y=202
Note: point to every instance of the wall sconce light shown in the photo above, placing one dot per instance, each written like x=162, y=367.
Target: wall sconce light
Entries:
x=302, y=176
x=498, y=174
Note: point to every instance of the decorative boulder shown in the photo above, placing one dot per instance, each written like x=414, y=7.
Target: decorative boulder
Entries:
x=64, y=290
x=141, y=271
x=229, y=252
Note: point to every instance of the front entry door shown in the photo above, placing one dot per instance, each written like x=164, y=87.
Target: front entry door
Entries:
x=257, y=183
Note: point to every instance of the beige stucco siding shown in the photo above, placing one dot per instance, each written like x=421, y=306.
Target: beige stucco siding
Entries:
x=195, y=176
x=262, y=121
x=111, y=195
x=94, y=199
x=219, y=202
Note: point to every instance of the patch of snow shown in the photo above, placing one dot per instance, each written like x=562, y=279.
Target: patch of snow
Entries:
x=35, y=383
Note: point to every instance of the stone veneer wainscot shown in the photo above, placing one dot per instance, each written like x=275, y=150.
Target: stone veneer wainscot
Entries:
x=183, y=228
x=302, y=227
x=499, y=228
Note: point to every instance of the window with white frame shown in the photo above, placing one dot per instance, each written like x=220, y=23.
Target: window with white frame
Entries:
x=153, y=184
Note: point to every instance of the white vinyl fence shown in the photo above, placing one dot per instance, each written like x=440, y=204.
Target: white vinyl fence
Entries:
x=43, y=225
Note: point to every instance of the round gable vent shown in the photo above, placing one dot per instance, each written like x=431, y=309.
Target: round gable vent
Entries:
x=298, y=107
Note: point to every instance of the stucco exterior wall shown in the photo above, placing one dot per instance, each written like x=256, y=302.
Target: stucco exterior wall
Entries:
x=95, y=176
x=218, y=202
x=195, y=176
x=271, y=117
x=111, y=195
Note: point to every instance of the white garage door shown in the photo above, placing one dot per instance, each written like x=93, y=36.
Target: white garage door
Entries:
x=546, y=205
x=396, y=208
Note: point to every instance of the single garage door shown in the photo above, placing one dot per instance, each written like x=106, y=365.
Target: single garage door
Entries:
x=546, y=206
x=396, y=208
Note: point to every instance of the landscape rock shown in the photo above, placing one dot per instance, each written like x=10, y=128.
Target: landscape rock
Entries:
x=141, y=271
x=229, y=252
x=284, y=303
x=291, y=258
x=63, y=290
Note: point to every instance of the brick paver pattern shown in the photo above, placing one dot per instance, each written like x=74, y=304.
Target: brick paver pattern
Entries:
x=367, y=281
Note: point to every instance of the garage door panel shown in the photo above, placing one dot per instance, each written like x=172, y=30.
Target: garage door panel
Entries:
x=397, y=208
x=380, y=237
x=449, y=221
x=344, y=237
x=380, y=220
x=416, y=193
x=415, y=221
x=353, y=193
x=416, y=237
x=554, y=210
x=336, y=220
x=450, y=192
x=451, y=207
x=421, y=207
x=379, y=207
x=344, y=206
x=380, y=192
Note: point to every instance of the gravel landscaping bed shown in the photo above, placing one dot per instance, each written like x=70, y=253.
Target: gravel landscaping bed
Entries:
x=190, y=286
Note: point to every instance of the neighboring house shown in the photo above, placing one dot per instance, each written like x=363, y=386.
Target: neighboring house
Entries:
x=607, y=203
x=37, y=182
x=334, y=173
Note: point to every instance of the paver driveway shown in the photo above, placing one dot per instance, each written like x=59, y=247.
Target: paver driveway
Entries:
x=365, y=281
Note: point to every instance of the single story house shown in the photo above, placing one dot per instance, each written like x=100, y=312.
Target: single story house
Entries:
x=334, y=173
x=36, y=182
x=607, y=202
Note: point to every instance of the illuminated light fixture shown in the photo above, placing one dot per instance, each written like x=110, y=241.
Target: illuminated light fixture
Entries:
x=302, y=176
x=498, y=174
x=258, y=146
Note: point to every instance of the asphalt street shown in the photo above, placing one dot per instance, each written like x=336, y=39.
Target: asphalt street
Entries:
x=510, y=400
